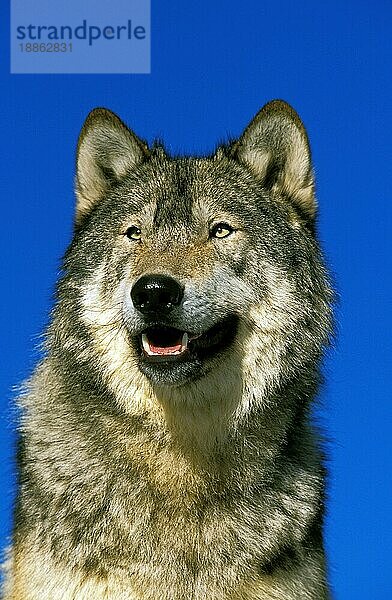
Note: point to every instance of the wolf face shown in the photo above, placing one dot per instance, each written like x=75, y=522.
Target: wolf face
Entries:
x=165, y=446
x=191, y=260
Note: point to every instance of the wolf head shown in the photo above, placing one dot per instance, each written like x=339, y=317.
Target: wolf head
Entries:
x=181, y=267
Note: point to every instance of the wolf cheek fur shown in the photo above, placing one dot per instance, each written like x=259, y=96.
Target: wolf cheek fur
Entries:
x=165, y=446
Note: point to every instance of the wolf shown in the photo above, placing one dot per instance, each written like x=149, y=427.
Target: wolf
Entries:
x=166, y=449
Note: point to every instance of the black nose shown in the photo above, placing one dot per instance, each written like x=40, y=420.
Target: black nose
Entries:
x=156, y=294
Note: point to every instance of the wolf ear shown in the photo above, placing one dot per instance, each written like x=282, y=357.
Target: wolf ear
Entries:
x=107, y=150
x=275, y=147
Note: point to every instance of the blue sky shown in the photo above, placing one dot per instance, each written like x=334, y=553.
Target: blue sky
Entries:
x=214, y=64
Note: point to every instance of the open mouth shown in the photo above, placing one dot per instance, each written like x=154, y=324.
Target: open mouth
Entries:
x=165, y=342
x=171, y=356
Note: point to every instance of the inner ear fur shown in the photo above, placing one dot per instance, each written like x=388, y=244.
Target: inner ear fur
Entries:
x=107, y=151
x=276, y=148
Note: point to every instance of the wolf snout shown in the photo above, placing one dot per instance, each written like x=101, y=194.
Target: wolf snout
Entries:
x=156, y=294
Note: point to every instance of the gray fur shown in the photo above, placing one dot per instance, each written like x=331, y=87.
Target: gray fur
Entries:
x=202, y=478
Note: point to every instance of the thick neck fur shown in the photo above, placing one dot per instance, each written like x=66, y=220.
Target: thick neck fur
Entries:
x=187, y=440
x=167, y=480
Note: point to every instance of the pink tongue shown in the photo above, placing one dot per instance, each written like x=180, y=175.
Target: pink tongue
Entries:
x=165, y=350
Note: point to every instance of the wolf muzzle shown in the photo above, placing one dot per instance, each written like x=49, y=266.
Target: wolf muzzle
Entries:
x=156, y=294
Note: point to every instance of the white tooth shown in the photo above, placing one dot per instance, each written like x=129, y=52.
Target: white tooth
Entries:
x=184, y=343
x=146, y=345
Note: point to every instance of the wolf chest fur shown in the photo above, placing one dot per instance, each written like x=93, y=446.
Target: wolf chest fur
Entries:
x=166, y=450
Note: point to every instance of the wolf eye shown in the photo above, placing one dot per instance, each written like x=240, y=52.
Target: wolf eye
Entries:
x=221, y=230
x=133, y=233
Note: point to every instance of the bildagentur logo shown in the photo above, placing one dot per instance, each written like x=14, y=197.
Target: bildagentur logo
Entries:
x=85, y=31
x=80, y=36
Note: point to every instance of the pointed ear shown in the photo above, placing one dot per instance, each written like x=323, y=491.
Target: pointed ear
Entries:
x=275, y=147
x=107, y=151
